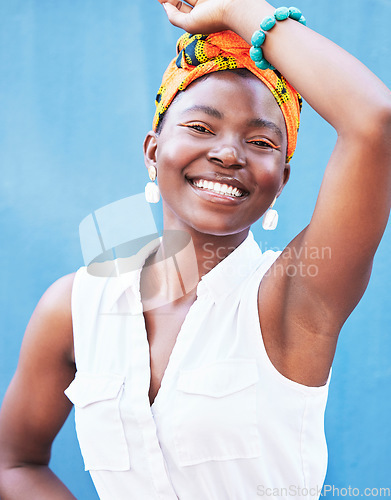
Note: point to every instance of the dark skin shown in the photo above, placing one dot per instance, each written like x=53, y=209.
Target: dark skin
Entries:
x=301, y=315
x=35, y=406
x=203, y=138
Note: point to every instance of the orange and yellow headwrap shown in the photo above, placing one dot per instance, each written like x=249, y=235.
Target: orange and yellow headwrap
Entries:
x=198, y=55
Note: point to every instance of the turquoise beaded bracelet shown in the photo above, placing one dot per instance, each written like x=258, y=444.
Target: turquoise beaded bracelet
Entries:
x=258, y=38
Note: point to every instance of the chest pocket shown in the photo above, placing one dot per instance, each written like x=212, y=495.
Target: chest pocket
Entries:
x=98, y=420
x=216, y=412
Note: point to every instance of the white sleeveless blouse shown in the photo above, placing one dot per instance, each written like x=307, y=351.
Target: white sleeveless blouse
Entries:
x=225, y=425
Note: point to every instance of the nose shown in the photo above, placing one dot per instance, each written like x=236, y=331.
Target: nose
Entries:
x=227, y=155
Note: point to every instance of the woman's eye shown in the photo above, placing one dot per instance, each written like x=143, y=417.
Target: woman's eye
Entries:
x=264, y=144
x=200, y=128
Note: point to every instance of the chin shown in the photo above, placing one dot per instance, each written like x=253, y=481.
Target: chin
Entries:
x=210, y=222
x=219, y=227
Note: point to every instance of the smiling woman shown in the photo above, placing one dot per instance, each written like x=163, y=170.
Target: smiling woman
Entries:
x=239, y=147
x=203, y=372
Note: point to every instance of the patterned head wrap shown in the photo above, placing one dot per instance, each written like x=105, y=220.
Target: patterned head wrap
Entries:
x=198, y=55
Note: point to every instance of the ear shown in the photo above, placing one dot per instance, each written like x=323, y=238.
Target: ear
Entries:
x=150, y=149
x=285, y=178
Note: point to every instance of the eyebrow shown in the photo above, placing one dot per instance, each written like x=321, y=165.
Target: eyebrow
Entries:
x=207, y=110
x=255, y=122
x=262, y=123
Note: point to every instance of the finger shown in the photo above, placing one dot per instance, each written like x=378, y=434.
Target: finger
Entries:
x=179, y=6
x=176, y=17
x=192, y=2
x=176, y=3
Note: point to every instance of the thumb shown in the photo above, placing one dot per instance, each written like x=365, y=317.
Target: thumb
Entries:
x=177, y=18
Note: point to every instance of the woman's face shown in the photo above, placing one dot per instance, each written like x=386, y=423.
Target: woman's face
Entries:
x=220, y=156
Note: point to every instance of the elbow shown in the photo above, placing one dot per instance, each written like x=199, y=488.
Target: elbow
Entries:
x=378, y=119
x=380, y=131
x=371, y=123
x=383, y=114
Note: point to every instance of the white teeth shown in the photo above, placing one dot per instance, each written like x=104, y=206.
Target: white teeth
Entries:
x=218, y=188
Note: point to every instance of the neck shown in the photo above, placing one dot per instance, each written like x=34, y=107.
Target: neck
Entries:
x=182, y=259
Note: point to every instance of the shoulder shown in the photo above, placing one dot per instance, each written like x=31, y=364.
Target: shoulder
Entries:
x=50, y=326
x=59, y=293
x=55, y=303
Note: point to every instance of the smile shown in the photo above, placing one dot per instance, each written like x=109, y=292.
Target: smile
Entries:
x=216, y=187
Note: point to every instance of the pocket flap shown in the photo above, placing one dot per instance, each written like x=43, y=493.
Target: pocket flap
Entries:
x=219, y=379
x=88, y=388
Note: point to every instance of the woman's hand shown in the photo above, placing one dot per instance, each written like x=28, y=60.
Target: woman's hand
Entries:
x=200, y=16
x=211, y=16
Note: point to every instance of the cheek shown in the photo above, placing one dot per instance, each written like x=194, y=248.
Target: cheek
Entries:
x=177, y=153
x=269, y=177
x=170, y=171
x=174, y=160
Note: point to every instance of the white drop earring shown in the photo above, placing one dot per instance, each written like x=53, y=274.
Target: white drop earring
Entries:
x=270, y=218
x=152, y=191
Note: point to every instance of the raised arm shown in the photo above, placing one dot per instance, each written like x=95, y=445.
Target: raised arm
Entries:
x=353, y=205
x=35, y=407
x=354, y=200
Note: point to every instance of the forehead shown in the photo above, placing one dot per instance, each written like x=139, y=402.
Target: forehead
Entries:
x=236, y=97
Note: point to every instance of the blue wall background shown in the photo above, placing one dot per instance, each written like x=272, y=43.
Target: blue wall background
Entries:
x=77, y=87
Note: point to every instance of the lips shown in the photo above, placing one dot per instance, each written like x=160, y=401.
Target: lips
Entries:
x=219, y=184
x=218, y=188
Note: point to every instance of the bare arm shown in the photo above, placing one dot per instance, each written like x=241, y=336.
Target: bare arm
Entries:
x=35, y=407
x=353, y=205
x=301, y=315
x=354, y=201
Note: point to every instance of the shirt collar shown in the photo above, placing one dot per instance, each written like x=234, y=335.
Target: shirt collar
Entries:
x=127, y=273
x=230, y=273
x=226, y=276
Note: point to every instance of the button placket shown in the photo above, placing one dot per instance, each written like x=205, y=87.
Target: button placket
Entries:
x=139, y=380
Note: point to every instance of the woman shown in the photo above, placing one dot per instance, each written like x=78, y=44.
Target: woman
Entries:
x=225, y=128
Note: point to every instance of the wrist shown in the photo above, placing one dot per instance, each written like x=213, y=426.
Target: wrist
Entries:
x=243, y=16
